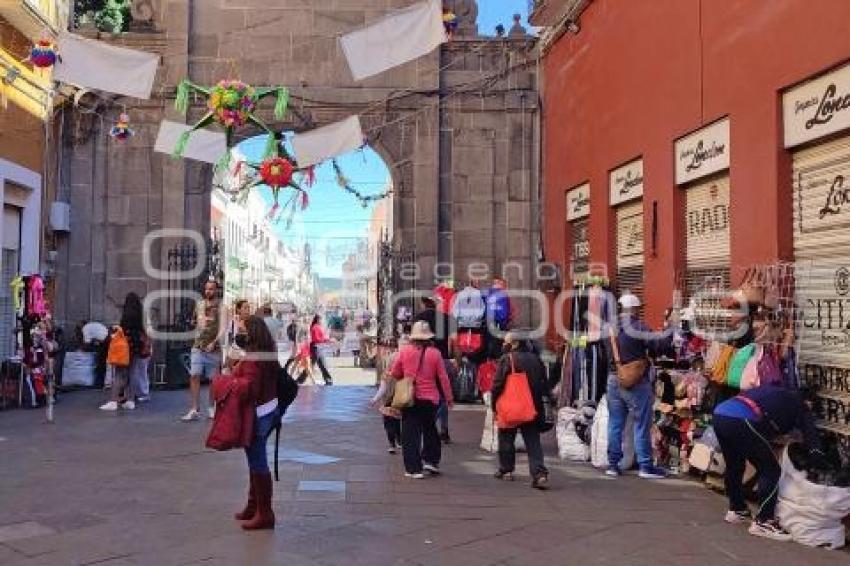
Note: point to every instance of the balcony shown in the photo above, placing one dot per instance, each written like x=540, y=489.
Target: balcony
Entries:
x=32, y=17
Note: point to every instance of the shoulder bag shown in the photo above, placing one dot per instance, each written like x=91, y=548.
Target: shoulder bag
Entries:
x=628, y=374
x=405, y=390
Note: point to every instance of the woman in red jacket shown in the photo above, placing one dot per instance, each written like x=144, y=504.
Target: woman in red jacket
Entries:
x=259, y=369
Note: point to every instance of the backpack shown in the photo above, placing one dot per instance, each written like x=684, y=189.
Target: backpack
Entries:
x=498, y=308
x=118, y=354
x=469, y=308
x=287, y=391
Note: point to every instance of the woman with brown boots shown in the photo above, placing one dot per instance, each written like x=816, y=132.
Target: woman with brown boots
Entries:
x=259, y=368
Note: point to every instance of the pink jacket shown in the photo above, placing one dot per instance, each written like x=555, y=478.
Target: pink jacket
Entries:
x=432, y=369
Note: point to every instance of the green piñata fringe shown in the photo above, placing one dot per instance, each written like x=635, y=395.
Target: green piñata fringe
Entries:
x=282, y=103
x=182, y=142
x=181, y=103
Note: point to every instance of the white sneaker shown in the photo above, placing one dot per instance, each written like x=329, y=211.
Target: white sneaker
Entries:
x=211, y=413
x=431, y=469
x=110, y=406
x=129, y=405
x=738, y=517
x=770, y=529
x=192, y=415
x=414, y=476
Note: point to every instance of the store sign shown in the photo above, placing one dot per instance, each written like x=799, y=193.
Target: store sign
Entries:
x=626, y=182
x=578, y=202
x=817, y=108
x=703, y=152
x=708, y=220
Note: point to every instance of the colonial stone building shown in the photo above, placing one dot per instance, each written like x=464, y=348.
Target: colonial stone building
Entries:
x=458, y=129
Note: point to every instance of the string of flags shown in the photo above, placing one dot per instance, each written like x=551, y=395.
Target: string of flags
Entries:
x=345, y=185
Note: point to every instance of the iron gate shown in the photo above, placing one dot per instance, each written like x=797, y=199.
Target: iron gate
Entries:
x=394, y=291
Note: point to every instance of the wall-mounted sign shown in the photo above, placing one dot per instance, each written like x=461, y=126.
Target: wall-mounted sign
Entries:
x=578, y=202
x=817, y=107
x=703, y=152
x=626, y=183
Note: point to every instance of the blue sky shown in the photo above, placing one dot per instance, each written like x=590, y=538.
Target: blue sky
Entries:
x=494, y=12
x=334, y=220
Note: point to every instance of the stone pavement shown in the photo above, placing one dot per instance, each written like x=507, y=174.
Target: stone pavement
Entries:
x=139, y=488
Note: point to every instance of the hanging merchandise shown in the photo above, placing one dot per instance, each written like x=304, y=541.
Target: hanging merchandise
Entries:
x=449, y=21
x=345, y=184
x=121, y=131
x=43, y=54
x=230, y=104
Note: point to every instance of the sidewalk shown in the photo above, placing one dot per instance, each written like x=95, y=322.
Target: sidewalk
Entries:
x=139, y=488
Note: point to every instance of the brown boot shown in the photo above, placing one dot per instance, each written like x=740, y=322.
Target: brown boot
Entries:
x=251, y=506
x=264, y=517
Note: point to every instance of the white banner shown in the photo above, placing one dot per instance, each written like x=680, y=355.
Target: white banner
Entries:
x=204, y=145
x=97, y=65
x=315, y=146
x=402, y=36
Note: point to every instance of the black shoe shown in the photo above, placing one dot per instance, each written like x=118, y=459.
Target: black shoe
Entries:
x=541, y=482
x=445, y=438
x=504, y=476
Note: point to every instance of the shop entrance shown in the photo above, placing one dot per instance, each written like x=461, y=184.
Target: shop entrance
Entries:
x=11, y=266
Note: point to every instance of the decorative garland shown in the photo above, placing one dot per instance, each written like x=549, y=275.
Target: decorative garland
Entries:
x=345, y=184
x=231, y=104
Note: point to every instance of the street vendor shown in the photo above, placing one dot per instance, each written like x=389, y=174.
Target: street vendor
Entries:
x=745, y=426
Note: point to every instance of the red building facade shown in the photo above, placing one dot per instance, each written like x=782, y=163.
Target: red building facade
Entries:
x=668, y=157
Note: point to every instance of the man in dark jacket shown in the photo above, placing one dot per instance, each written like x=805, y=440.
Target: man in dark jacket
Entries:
x=745, y=426
x=518, y=359
x=634, y=341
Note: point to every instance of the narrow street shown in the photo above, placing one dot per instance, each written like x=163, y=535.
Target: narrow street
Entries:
x=139, y=488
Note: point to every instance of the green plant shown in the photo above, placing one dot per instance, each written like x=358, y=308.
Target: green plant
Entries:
x=109, y=15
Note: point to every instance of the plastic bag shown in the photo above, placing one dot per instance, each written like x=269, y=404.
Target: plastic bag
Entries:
x=570, y=446
x=490, y=434
x=812, y=513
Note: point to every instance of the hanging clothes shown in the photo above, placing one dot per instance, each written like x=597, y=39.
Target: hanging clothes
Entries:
x=17, y=285
x=35, y=296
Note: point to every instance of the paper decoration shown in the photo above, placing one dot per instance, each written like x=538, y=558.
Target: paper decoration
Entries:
x=204, y=145
x=404, y=35
x=93, y=64
x=345, y=185
x=43, y=54
x=450, y=22
x=231, y=104
x=315, y=146
x=121, y=131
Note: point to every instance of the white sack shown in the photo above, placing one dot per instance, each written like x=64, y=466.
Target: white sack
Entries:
x=78, y=369
x=812, y=513
x=97, y=65
x=204, y=145
x=402, y=36
x=570, y=446
x=599, y=438
x=315, y=146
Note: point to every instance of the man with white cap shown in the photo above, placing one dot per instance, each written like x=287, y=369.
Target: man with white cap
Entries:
x=630, y=387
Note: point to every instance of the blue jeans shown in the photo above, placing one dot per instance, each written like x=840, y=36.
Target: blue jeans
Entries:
x=258, y=460
x=639, y=400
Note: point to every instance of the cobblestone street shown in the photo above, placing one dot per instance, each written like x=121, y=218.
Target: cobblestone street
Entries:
x=139, y=488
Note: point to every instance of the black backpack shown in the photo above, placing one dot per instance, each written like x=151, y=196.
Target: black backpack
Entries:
x=287, y=391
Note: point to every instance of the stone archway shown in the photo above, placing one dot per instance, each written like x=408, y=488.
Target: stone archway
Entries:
x=458, y=129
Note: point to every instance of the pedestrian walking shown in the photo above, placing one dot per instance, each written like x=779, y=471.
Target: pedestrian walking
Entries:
x=318, y=336
x=258, y=371
x=524, y=365
x=630, y=386
x=205, y=357
x=126, y=348
x=383, y=401
x=444, y=327
x=423, y=362
x=292, y=336
x=745, y=427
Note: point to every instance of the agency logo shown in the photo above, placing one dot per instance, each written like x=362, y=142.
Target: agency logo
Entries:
x=842, y=281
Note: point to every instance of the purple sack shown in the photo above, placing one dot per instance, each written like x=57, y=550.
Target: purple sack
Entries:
x=768, y=367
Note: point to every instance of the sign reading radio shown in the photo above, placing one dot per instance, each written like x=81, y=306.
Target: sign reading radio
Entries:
x=703, y=152
x=817, y=108
x=578, y=202
x=626, y=183
x=710, y=217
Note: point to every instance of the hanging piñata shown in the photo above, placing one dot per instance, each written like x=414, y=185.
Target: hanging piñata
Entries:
x=43, y=54
x=121, y=131
x=231, y=104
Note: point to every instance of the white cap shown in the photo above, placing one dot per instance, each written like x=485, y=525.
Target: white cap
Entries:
x=629, y=301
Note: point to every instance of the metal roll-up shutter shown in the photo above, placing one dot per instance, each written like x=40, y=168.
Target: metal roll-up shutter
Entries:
x=821, y=185
x=707, y=222
x=630, y=248
x=580, y=253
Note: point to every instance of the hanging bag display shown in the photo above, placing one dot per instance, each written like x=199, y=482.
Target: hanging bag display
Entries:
x=118, y=354
x=631, y=373
x=404, y=394
x=515, y=406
